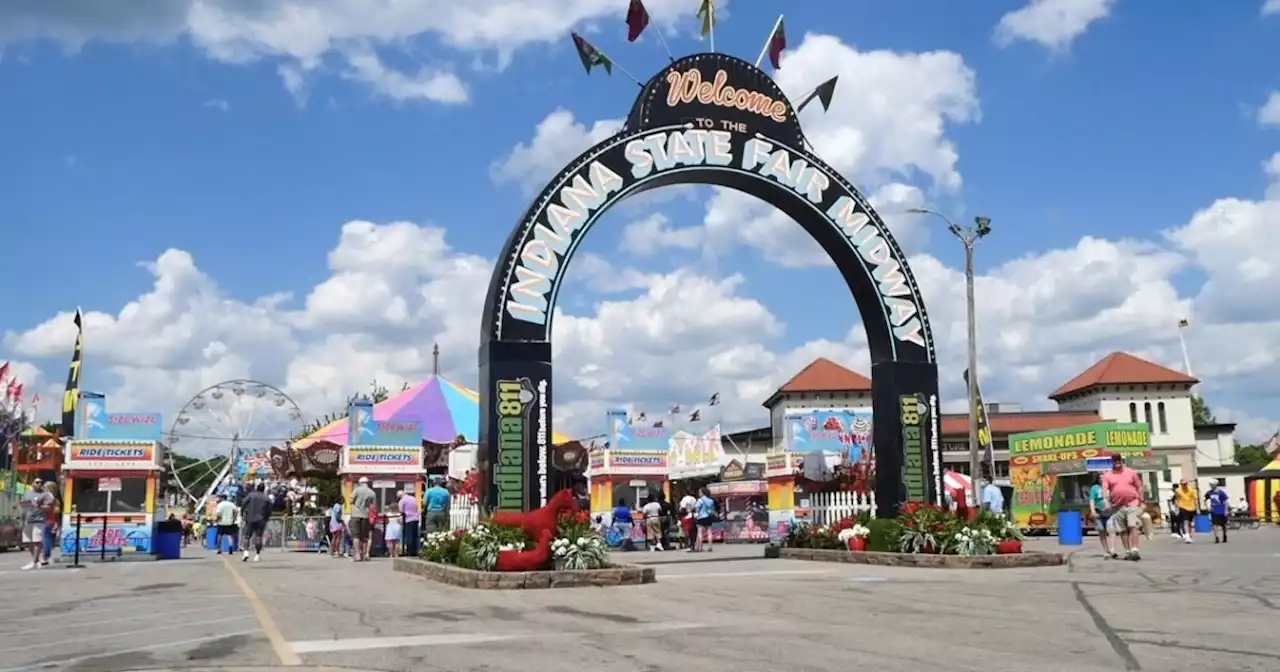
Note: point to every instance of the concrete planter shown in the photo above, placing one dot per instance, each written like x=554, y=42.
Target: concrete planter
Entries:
x=618, y=575
x=1027, y=559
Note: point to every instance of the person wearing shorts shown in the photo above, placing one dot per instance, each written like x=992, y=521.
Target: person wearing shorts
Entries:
x=255, y=511
x=1123, y=491
x=362, y=499
x=1188, y=504
x=1101, y=516
x=227, y=518
x=35, y=506
x=1219, y=508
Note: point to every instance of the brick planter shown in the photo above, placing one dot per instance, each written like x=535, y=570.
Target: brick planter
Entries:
x=1026, y=559
x=618, y=575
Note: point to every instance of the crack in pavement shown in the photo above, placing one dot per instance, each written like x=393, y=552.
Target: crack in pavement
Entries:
x=1100, y=622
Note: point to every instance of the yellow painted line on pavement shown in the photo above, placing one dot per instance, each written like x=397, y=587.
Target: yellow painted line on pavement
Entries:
x=284, y=651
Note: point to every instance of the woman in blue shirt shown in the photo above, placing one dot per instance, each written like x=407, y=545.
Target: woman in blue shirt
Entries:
x=622, y=521
x=704, y=518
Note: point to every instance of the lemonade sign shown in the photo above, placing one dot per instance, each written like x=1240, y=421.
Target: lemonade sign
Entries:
x=1038, y=460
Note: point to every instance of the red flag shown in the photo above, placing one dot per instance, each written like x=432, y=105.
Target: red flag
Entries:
x=4, y=371
x=637, y=20
x=777, y=43
x=17, y=395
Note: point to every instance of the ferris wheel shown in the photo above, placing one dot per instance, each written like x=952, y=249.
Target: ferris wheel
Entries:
x=226, y=430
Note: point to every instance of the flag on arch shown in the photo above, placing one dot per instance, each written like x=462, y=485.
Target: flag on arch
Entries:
x=637, y=20
x=696, y=415
x=777, y=44
x=591, y=57
x=714, y=400
x=707, y=12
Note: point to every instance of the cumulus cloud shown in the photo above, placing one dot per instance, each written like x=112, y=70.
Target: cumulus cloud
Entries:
x=303, y=34
x=1269, y=113
x=1052, y=23
x=556, y=141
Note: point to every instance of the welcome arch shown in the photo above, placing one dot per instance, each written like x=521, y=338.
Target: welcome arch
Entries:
x=718, y=120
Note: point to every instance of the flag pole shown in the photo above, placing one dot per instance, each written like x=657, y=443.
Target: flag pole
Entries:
x=621, y=69
x=671, y=57
x=764, y=51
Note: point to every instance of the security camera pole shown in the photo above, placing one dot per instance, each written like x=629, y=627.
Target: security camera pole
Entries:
x=969, y=237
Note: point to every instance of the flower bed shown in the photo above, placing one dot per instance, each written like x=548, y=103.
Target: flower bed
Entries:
x=920, y=529
x=618, y=575
x=556, y=537
x=931, y=560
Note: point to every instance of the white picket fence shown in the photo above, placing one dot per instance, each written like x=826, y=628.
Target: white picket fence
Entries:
x=826, y=508
x=464, y=513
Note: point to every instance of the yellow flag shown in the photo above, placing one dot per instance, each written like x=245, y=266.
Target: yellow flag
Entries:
x=707, y=12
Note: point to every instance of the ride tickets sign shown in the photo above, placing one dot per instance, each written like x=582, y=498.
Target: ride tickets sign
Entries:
x=111, y=455
x=384, y=460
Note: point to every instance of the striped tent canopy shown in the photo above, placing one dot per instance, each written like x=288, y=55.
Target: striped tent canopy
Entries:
x=445, y=409
x=1261, y=490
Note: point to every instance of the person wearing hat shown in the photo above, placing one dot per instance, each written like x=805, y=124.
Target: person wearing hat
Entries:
x=362, y=499
x=1124, y=494
x=437, y=503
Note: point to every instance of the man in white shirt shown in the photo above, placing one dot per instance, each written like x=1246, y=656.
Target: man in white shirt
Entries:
x=652, y=511
x=227, y=517
x=688, y=506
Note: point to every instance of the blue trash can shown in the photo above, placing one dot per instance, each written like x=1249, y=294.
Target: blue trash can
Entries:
x=1204, y=524
x=167, y=545
x=211, y=537
x=1070, y=528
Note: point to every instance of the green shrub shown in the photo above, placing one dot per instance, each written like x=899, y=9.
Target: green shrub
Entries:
x=884, y=535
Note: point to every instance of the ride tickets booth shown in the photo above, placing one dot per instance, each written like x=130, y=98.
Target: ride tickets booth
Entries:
x=112, y=474
x=628, y=475
x=387, y=452
x=780, y=479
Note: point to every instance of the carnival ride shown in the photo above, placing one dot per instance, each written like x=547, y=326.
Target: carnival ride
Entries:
x=228, y=429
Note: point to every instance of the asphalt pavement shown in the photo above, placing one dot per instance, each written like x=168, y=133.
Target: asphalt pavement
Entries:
x=1183, y=607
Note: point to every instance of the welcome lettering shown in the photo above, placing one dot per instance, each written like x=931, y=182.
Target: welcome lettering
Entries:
x=688, y=86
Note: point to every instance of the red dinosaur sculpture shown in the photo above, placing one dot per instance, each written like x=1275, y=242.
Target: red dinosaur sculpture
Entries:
x=540, y=525
x=532, y=560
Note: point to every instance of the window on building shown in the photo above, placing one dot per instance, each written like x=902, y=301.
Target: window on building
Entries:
x=130, y=498
x=1133, y=412
x=1164, y=423
x=1146, y=409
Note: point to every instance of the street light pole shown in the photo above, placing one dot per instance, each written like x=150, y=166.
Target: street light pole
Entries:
x=969, y=237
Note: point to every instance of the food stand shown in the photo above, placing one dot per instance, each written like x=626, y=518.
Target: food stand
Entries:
x=112, y=474
x=388, y=453
x=1052, y=471
x=742, y=491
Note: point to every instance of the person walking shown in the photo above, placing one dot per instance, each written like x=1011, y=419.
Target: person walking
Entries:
x=1219, y=509
x=393, y=532
x=255, y=512
x=35, y=505
x=336, y=529
x=652, y=511
x=1124, y=493
x=706, y=517
x=437, y=498
x=411, y=514
x=992, y=498
x=1188, y=504
x=362, y=499
x=52, y=523
x=227, y=518
x=1101, y=516
x=688, y=531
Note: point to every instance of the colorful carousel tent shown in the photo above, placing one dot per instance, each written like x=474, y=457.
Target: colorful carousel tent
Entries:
x=445, y=409
x=1262, y=488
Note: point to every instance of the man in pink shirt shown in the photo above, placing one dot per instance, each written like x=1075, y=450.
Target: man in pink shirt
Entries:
x=1123, y=491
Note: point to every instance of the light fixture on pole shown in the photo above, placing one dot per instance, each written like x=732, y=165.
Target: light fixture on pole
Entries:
x=969, y=237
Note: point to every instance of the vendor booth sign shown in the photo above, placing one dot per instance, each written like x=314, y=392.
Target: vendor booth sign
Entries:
x=383, y=460
x=778, y=465
x=364, y=430
x=627, y=432
x=111, y=455
x=637, y=463
x=696, y=456
x=94, y=423
x=115, y=538
x=843, y=431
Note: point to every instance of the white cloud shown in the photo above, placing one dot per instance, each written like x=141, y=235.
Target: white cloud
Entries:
x=1269, y=113
x=1052, y=23
x=304, y=33
x=557, y=140
x=647, y=236
x=1271, y=7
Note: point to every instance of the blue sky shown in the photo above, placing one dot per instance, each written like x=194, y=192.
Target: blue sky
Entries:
x=123, y=148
